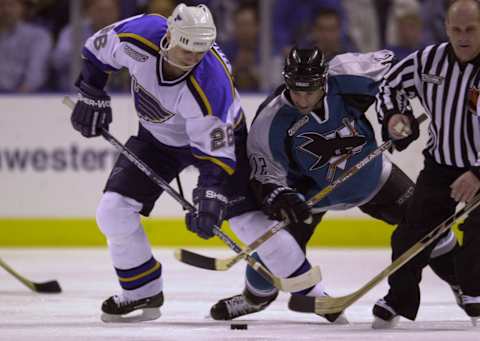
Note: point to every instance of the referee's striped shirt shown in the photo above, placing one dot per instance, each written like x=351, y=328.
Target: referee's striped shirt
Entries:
x=443, y=85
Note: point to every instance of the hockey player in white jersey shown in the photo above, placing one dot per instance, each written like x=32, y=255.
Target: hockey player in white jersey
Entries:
x=189, y=113
x=304, y=136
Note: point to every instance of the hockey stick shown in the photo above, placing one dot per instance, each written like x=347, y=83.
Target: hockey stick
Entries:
x=220, y=264
x=329, y=304
x=50, y=287
x=292, y=284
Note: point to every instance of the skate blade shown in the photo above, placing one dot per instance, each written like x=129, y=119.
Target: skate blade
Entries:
x=340, y=320
x=474, y=321
x=378, y=323
x=148, y=314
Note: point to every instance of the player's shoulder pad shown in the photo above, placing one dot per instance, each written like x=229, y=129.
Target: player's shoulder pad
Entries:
x=144, y=31
x=372, y=65
x=211, y=84
x=358, y=73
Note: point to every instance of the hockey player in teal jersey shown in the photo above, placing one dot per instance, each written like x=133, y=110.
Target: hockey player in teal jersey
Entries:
x=309, y=131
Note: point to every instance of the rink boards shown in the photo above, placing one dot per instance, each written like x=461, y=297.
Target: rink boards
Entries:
x=52, y=178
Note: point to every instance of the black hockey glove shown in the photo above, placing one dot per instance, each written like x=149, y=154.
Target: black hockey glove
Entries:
x=211, y=205
x=401, y=144
x=92, y=111
x=284, y=203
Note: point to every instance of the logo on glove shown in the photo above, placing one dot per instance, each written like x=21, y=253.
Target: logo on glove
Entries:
x=214, y=195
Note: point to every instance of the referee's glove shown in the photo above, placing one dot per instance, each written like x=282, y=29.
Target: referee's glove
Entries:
x=401, y=143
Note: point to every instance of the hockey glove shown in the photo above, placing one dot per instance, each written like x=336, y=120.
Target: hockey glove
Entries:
x=211, y=205
x=284, y=203
x=401, y=144
x=92, y=111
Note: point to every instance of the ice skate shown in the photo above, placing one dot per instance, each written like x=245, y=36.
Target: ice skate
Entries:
x=384, y=316
x=457, y=292
x=472, y=307
x=240, y=305
x=117, y=309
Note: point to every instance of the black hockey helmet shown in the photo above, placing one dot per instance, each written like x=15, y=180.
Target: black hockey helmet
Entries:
x=305, y=69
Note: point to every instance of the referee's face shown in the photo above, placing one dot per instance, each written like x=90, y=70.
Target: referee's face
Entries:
x=463, y=30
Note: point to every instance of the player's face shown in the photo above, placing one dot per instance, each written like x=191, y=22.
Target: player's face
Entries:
x=184, y=57
x=306, y=101
x=463, y=30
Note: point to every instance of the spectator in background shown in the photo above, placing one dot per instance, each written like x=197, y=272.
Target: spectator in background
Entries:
x=25, y=50
x=382, y=8
x=398, y=8
x=433, y=18
x=408, y=33
x=53, y=15
x=363, y=24
x=242, y=50
x=326, y=33
x=162, y=7
x=223, y=12
x=129, y=8
x=292, y=20
x=98, y=14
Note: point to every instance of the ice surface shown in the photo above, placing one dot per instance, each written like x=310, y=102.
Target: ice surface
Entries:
x=87, y=278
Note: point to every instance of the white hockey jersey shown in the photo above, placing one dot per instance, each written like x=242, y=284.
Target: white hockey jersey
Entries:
x=199, y=109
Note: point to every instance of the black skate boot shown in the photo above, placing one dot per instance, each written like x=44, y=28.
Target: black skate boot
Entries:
x=457, y=292
x=384, y=316
x=240, y=305
x=472, y=307
x=116, y=307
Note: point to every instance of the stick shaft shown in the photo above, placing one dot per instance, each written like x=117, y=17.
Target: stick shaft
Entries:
x=225, y=264
x=186, y=205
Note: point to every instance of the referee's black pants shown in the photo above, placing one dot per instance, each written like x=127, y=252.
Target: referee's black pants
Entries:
x=431, y=204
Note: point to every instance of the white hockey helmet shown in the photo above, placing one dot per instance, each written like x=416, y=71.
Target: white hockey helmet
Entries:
x=191, y=28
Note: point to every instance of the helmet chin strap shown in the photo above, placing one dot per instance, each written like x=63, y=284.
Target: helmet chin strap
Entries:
x=171, y=62
x=165, y=46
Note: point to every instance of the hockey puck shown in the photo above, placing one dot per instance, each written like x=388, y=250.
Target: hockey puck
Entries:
x=241, y=326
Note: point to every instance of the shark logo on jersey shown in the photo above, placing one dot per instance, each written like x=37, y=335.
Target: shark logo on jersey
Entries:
x=147, y=106
x=334, y=148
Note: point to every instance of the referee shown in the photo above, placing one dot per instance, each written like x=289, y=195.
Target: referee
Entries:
x=446, y=80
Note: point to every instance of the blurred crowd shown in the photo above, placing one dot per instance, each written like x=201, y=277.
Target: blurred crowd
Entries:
x=37, y=45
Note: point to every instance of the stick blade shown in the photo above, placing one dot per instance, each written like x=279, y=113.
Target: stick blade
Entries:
x=331, y=305
x=320, y=305
x=302, y=304
x=50, y=287
x=195, y=259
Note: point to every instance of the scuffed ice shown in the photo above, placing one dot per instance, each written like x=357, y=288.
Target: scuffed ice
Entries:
x=87, y=278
